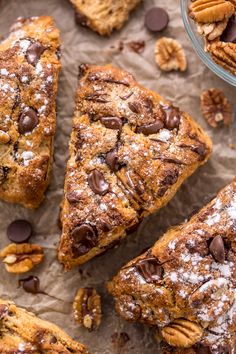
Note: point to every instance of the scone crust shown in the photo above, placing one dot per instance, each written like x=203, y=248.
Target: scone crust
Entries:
x=197, y=279
x=103, y=16
x=22, y=332
x=28, y=83
x=150, y=168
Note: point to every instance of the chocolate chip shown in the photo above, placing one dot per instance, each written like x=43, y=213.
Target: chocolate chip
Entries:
x=202, y=349
x=112, y=122
x=73, y=197
x=28, y=120
x=172, y=117
x=137, y=46
x=97, y=182
x=53, y=340
x=128, y=95
x=30, y=284
x=134, y=106
x=85, y=238
x=150, y=269
x=34, y=52
x=156, y=19
x=148, y=129
x=3, y=173
x=19, y=231
x=81, y=19
x=82, y=69
x=217, y=249
x=229, y=34
x=112, y=160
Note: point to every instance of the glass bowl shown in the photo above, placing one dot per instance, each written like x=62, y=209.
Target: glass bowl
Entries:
x=198, y=44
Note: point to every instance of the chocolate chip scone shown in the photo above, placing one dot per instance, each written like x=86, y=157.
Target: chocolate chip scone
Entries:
x=185, y=285
x=22, y=332
x=103, y=16
x=130, y=150
x=29, y=68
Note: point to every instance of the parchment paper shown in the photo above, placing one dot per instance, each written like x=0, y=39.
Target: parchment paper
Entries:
x=82, y=45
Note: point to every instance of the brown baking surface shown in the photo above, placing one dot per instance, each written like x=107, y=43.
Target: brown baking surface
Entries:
x=81, y=45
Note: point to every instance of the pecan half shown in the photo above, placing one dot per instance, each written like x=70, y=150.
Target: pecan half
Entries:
x=87, y=308
x=211, y=10
x=20, y=258
x=216, y=108
x=182, y=333
x=170, y=55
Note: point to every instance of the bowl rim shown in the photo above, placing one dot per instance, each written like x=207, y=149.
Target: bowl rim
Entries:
x=207, y=60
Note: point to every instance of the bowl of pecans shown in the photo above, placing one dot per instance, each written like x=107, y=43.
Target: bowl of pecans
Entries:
x=211, y=27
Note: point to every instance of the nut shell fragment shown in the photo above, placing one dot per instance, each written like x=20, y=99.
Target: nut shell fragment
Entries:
x=182, y=333
x=170, y=55
x=20, y=258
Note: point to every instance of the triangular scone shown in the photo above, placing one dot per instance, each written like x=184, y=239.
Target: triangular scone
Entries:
x=103, y=16
x=22, y=332
x=29, y=67
x=185, y=284
x=130, y=150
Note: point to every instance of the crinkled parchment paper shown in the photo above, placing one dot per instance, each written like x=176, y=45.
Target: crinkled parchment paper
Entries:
x=82, y=45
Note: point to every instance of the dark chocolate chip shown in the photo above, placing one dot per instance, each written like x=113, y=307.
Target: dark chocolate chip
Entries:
x=217, y=249
x=156, y=19
x=30, y=284
x=172, y=117
x=229, y=34
x=19, y=231
x=112, y=160
x=3, y=173
x=28, y=120
x=128, y=95
x=82, y=69
x=171, y=177
x=81, y=19
x=97, y=182
x=112, y=122
x=134, y=106
x=137, y=46
x=53, y=340
x=96, y=98
x=148, y=129
x=150, y=269
x=84, y=238
x=202, y=349
x=73, y=197
x=34, y=52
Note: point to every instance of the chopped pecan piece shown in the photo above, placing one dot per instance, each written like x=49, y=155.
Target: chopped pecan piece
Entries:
x=87, y=308
x=20, y=258
x=170, y=55
x=4, y=137
x=182, y=333
x=212, y=30
x=216, y=108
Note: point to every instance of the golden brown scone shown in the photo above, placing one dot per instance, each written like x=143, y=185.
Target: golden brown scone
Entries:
x=103, y=16
x=22, y=332
x=185, y=284
x=130, y=150
x=29, y=67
